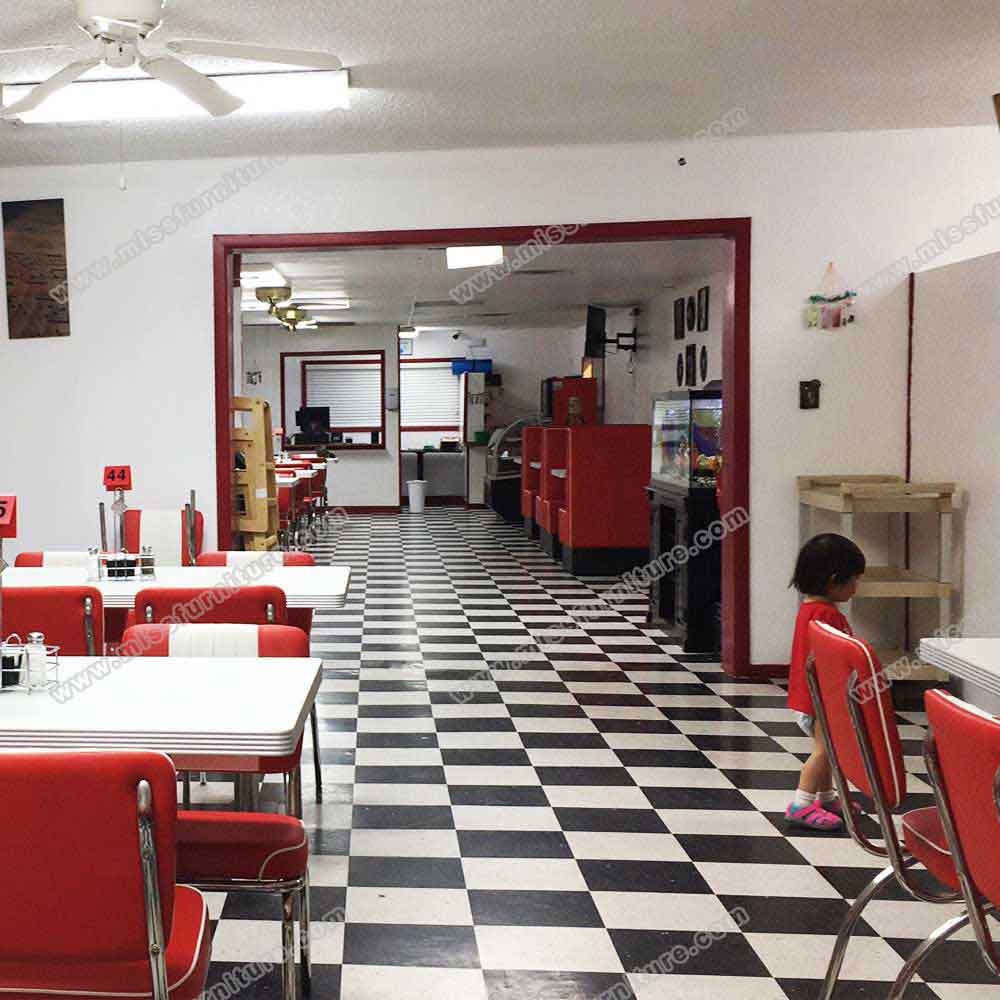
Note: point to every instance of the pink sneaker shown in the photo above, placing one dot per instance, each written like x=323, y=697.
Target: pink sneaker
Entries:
x=814, y=817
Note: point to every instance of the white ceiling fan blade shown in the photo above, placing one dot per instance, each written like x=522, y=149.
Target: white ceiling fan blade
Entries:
x=36, y=48
x=44, y=90
x=194, y=85
x=255, y=53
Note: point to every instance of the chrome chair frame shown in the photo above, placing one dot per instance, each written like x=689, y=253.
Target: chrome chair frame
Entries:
x=976, y=910
x=151, y=892
x=900, y=862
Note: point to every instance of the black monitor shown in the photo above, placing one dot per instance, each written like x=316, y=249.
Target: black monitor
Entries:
x=597, y=332
x=314, y=422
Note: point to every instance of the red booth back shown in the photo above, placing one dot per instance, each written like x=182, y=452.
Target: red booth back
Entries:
x=967, y=741
x=608, y=470
x=72, y=881
x=58, y=612
x=287, y=558
x=837, y=656
x=272, y=640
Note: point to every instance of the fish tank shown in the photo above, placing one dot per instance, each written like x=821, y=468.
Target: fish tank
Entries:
x=687, y=437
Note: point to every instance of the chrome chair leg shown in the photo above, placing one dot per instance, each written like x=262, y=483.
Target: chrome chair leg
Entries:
x=289, y=979
x=847, y=929
x=305, y=955
x=316, y=754
x=910, y=966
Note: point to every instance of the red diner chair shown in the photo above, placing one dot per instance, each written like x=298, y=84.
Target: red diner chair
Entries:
x=298, y=617
x=962, y=753
x=259, y=605
x=165, y=531
x=71, y=618
x=91, y=906
x=52, y=560
x=853, y=699
x=244, y=852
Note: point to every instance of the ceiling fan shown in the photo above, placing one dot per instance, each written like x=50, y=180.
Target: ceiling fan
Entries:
x=119, y=29
x=292, y=317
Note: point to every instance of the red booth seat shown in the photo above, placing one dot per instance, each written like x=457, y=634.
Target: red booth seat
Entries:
x=603, y=525
x=531, y=454
x=551, y=489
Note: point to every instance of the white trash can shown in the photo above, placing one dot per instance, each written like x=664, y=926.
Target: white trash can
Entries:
x=417, y=488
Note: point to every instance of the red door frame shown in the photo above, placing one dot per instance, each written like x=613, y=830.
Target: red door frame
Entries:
x=735, y=350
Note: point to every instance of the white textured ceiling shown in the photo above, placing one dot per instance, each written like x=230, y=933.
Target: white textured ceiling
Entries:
x=437, y=74
x=382, y=285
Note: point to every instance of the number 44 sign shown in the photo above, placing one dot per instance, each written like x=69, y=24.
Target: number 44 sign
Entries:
x=8, y=517
x=118, y=477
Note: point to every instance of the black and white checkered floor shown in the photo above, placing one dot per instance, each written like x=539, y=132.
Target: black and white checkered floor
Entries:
x=520, y=806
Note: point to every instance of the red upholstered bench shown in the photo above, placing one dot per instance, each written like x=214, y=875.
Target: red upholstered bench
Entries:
x=531, y=457
x=551, y=489
x=604, y=524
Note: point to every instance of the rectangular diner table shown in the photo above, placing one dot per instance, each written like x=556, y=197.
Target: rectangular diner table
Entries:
x=206, y=713
x=322, y=588
x=974, y=665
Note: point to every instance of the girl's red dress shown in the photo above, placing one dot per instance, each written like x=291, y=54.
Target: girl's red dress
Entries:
x=809, y=611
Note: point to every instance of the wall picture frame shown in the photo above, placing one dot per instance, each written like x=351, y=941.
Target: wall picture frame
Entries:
x=679, y=319
x=680, y=368
x=692, y=314
x=703, y=296
x=691, y=365
x=703, y=363
x=34, y=237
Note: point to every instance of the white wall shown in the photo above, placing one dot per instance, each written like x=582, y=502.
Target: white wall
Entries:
x=134, y=381
x=367, y=478
x=956, y=426
x=628, y=396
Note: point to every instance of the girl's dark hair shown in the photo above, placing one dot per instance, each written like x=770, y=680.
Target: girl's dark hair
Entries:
x=824, y=560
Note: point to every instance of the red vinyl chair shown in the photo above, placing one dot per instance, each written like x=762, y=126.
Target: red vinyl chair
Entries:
x=91, y=909
x=531, y=459
x=298, y=617
x=156, y=528
x=52, y=560
x=853, y=700
x=962, y=753
x=243, y=852
x=71, y=618
x=211, y=606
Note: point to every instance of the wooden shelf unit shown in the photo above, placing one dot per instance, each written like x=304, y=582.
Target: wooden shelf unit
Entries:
x=255, y=491
x=850, y=495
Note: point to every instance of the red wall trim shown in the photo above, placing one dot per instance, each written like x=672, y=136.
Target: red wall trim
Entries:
x=736, y=364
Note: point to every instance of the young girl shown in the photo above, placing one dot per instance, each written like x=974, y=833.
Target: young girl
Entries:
x=826, y=573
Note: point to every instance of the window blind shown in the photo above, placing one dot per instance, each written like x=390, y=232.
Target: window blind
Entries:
x=429, y=395
x=353, y=391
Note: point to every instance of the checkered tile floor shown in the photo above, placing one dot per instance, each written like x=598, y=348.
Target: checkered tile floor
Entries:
x=519, y=806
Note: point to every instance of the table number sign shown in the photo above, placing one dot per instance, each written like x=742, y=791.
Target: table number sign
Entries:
x=118, y=477
x=8, y=517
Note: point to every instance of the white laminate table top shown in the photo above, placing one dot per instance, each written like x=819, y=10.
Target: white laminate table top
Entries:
x=239, y=706
x=976, y=660
x=322, y=588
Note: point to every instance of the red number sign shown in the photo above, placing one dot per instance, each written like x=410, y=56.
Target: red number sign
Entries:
x=118, y=477
x=8, y=517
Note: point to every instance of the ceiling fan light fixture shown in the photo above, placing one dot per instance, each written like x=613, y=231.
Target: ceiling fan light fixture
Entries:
x=146, y=98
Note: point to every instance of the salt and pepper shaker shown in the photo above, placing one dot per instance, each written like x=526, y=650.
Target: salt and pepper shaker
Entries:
x=35, y=669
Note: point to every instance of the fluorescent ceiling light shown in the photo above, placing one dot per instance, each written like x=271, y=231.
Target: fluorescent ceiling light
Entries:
x=408, y=333
x=321, y=303
x=144, y=97
x=459, y=257
x=261, y=275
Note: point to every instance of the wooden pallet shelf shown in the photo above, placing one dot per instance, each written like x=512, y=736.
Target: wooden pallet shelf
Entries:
x=255, y=491
x=849, y=495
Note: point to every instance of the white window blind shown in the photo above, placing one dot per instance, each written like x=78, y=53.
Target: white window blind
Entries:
x=429, y=395
x=352, y=390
